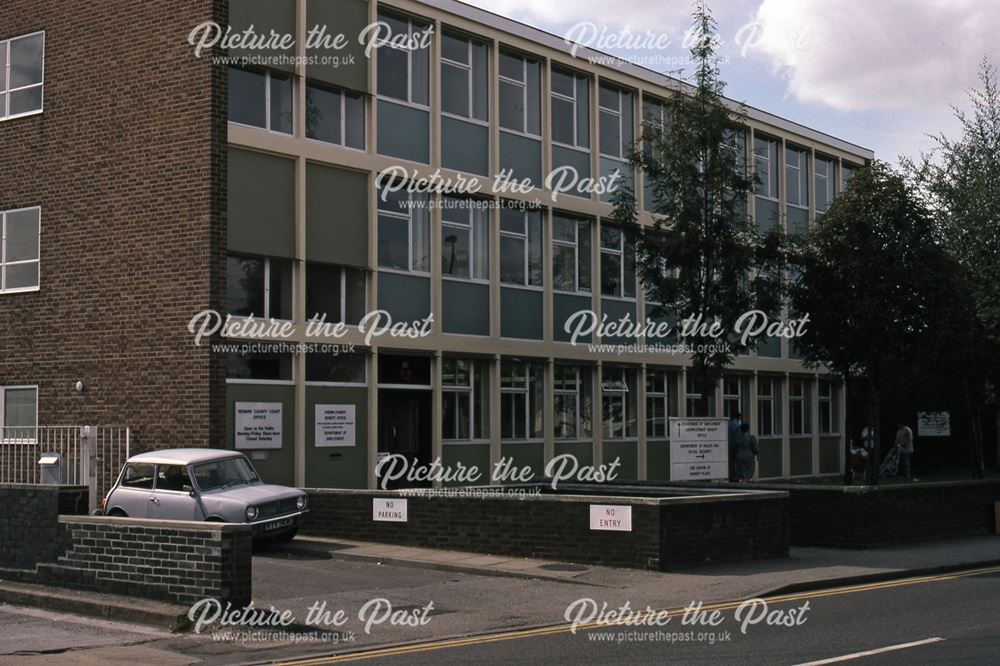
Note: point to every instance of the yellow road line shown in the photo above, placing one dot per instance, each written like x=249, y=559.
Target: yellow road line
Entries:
x=564, y=628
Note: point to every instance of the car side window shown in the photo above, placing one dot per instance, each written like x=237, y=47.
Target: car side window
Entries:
x=138, y=476
x=172, y=477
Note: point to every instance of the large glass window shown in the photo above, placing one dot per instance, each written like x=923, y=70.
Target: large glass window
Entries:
x=696, y=407
x=847, y=172
x=404, y=231
x=464, y=389
x=797, y=177
x=261, y=98
x=732, y=396
x=260, y=287
x=520, y=101
x=827, y=408
x=335, y=116
x=334, y=293
x=798, y=406
x=572, y=402
x=264, y=366
x=521, y=408
x=765, y=157
x=657, y=404
x=18, y=412
x=336, y=368
x=570, y=253
x=618, y=403
x=615, y=109
x=22, y=65
x=464, y=77
x=570, y=108
x=617, y=262
x=825, y=181
x=465, y=239
x=521, y=247
x=766, y=418
x=403, y=72
x=19, y=249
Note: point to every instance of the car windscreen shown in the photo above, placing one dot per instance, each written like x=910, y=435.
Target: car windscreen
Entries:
x=224, y=473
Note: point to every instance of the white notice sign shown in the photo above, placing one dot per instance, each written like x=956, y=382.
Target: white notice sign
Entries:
x=699, y=449
x=611, y=517
x=934, y=424
x=257, y=425
x=389, y=510
x=335, y=425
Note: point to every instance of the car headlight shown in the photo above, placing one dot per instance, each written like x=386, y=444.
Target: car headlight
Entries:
x=251, y=512
x=300, y=503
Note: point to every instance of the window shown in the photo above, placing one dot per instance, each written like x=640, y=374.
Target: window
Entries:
x=570, y=254
x=572, y=402
x=265, y=366
x=617, y=262
x=520, y=100
x=824, y=183
x=334, y=293
x=847, y=172
x=797, y=177
x=259, y=287
x=521, y=409
x=19, y=249
x=765, y=160
x=464, y=72
x=570, y=108
x=404, y=231
x=654, y=117
x=657, y=404
x=521, y=247
x=335, y=116
x=261, y=98
x=798, y=406
x=732, y=397
x=693, y=397
x=464, y=408
x=22, y=66
x=465, y=239
x=18, y=412
x=224, y=473
x=173, y=477
x=827, y=423
x=403, y=72
x=138, y=476
x=765, y=407
x=336, y=368
x=618, y=402
x=615, y=116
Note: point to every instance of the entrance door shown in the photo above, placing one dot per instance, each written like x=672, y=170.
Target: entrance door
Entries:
x=404, y=427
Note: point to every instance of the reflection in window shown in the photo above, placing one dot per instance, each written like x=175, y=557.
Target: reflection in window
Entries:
x=618, y=402
x=617, y=262
x=465, y=239
x=464, y=390
x=404, y=231
x=335, y=116
x=261, y=98
x=570, y=108
x=262, y=366
x=260, y=287
x=521, y=408
x=22, y=63
x=334, y=293
x=765, y=157
x=570, y=254
x=19, y=249
x=572, y=402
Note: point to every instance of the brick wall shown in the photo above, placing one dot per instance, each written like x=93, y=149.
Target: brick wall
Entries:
x=28, y=528
x=664, y=534
x=128, y=165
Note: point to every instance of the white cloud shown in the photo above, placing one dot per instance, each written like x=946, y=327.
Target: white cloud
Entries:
x=879, y=54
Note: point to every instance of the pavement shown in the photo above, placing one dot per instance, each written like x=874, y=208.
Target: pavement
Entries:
x=388, y=595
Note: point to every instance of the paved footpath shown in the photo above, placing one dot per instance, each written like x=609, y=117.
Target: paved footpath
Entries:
x=469, y=593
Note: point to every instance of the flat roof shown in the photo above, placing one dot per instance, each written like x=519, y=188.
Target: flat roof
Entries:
x=183, y=456
x=651, y=76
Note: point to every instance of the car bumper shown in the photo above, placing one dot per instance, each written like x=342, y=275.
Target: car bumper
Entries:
x=277, y=525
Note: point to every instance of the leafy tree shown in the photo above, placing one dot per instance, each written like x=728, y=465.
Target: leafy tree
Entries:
x=702, y=256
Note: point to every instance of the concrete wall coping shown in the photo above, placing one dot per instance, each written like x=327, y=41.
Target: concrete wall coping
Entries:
x=863, y=490
x=197, y=525
x=35, y=486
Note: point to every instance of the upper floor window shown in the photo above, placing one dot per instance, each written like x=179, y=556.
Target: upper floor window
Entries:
x=335, y=116
x=570, y=253
x=19, y=249
x=334, y=293
x=847, y=172
x=465, y=239
x=403, y=72
x=570, y=108
x=404, y=231
x=615, y=109
x=825, y=181
x=464, y=77
x=18, y=412
x=765, y=160
x=797, y=177
x=22, y=65
x=617, y=262
x=260, y=287
x=521, y=247
x=261, y=98
x=520, y=101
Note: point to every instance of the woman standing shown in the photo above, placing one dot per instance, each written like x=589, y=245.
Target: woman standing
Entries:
x=746, y=454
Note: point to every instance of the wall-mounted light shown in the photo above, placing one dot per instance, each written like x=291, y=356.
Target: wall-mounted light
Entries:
x=80, y=387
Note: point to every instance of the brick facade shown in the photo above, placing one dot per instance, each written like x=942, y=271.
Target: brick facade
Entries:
x=127, y=162
x=29, y=517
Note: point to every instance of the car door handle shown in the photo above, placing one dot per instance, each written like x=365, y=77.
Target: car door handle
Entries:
x=154, y=500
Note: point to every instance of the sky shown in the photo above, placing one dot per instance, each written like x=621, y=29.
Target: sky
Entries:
x=883, y=74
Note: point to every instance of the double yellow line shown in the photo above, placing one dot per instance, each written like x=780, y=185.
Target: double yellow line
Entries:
x=566, y=628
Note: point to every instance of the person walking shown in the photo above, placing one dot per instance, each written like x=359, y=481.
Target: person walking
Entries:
x=904, y=440
x=735, y=437
x=746, y=454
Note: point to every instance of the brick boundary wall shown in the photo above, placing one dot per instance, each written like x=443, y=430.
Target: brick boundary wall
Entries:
x=667, y=533
x=165, y=560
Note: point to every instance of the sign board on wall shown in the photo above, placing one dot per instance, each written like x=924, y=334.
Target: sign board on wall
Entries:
x=335, y=425
x=611, y=517
x=389, y=510
x=257, y=425
x=699, y=449
x=934, y=424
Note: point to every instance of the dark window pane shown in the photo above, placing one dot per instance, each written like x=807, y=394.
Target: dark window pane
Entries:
x=26, y=101
x=455, y=251
x=26, y=60
x=511, y=66
x=247, y=98
x=562, y=121
x=480, y=81
x=611, y=274
x=564, y=268
x=534, y=98
x=323, y=292
x=454, y=90
x=454, y=48
x=511, y=106
x=281, y=289
x=393, y=243
x=21, y=276
x=535, y=248
x=138, y=476
x=609, y=98
x=355, y=295
x=270, y=367
x=355, y=123
x=245, y=286
x=512, y=270
x=323, y=114
x=343, y=369
x=583, y=113
x=21, y=242
x=611, y=139
x=562, y=83
x=281, y=103
x=392, y=73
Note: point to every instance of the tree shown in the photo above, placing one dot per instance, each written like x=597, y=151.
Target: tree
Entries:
x=960, y=181
x=882, y=294
x=702, y=257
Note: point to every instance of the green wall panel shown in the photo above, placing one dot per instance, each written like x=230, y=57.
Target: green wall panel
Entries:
x=465, y=146
x=628, y=454
x=346, y=17
x=337, y=466
x=336, y=215
x=279, y=465
x=522, y=156
x=261, y=218
x=800, y=457
x=831, y=455
x=465, y=308
x=658, y=461
x=615, y=310
x=584, y=452
x=403, y=132
x=563, y=307
x=405, y=297
x=265, y=16
x=769, y=461
x=469, y=455
x=521, y=313
x=525, y=454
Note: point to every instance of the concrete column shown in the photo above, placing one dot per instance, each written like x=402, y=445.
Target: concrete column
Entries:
x=372, y=427
x=814, y=421
x=597, y=413
x=751, y=415
x=641, y=420
x=549, y=408
x=494, y=416
x=299, y=275
x=437, y=451
x=785, y=425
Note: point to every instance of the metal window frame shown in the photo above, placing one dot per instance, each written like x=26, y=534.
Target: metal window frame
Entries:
x=22, y=262
x=5, y=75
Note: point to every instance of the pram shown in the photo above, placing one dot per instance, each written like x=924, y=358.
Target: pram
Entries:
x=859, y=464
x=890, y=465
